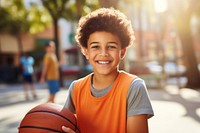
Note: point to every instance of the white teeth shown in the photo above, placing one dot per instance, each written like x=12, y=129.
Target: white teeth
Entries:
x=103, y=62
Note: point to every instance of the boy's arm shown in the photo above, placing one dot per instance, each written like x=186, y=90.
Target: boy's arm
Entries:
x=137, y=124
x=43, y=73
x=45, y=66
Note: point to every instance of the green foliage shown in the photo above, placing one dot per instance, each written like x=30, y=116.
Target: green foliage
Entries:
x=89, y=6
x=13, y=21
x=38, y=19
x=69, y=9
x=5, y=18
x=55, y=7
x=16, y=19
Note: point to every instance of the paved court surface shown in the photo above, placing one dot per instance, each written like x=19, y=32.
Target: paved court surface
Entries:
x=176, y=111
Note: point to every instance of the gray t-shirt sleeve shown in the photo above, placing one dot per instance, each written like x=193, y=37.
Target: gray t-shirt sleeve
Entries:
x=138, y=101
x=69, y=102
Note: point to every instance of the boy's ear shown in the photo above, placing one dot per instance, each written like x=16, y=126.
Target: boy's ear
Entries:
x=84, y=52
x=123, y=53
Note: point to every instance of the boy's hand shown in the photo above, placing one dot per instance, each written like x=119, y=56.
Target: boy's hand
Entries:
x=67, y=130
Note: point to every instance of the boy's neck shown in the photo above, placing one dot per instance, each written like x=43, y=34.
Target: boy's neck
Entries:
x=103, y=81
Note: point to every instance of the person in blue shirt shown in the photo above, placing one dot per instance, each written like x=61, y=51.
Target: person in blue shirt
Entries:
x=27, y=63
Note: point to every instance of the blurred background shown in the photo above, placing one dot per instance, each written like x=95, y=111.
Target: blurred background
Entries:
x=167, y=33
x=166, y=51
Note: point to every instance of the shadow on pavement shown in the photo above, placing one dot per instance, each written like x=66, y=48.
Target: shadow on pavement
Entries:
x=187, y=98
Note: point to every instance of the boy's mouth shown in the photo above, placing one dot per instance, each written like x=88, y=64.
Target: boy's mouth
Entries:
x=103, y=62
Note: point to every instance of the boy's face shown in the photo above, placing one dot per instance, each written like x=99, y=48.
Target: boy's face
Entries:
x=104, y=52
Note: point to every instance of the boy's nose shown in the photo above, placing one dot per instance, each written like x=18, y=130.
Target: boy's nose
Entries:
x=104, y=52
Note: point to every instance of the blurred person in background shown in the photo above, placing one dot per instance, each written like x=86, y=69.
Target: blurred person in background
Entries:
x=50, y=71
x=27, y=63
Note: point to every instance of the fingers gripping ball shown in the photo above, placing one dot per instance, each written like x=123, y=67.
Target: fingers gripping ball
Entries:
x=48, y=118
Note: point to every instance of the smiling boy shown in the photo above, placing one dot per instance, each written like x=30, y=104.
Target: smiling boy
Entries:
x=108, y=100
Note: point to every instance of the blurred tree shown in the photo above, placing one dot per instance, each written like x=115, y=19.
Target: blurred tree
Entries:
x=6, y=18
x=13, y=20
x=16, y=20
x=183, y=12
x=38, y=19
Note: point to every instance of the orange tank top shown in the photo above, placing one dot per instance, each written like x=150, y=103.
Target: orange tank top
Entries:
x=106, y=114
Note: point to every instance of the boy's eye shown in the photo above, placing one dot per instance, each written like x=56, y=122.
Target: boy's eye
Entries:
x=112, y=47
x=94, y=47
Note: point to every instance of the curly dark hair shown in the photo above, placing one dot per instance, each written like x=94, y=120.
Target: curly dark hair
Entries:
x=105, y=19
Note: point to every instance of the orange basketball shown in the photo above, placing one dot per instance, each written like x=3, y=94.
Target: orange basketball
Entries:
x=48, y=118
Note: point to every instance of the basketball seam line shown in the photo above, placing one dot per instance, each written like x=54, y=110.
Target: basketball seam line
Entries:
x=42, y=128
x=76, y=128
